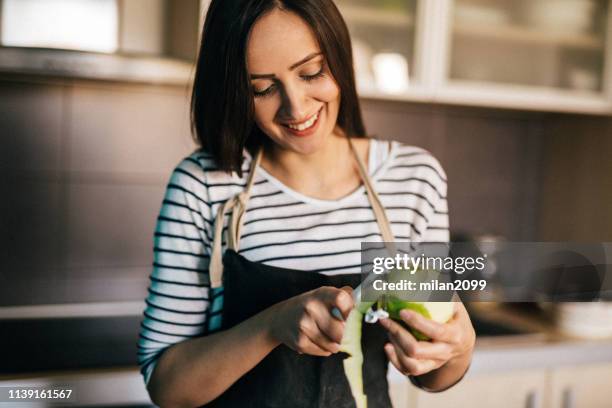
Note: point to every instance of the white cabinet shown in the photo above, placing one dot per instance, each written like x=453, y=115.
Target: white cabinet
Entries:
x=585, y=386
x=551, y=55
x=516, y=389
x=548, y=43
x=384, y=36
x=569, y=386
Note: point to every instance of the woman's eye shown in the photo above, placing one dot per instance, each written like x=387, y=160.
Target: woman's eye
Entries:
x=264, y=92
x=314, y=76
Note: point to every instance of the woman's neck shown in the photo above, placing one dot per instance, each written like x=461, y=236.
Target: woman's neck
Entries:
x=328, y=174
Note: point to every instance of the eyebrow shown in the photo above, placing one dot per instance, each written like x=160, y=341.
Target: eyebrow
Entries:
x=291, y=68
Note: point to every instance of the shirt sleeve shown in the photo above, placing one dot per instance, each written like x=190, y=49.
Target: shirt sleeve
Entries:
x=178, y=294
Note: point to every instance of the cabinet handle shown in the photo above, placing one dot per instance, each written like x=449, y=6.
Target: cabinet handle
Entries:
x=533, y=400
x=569, y=399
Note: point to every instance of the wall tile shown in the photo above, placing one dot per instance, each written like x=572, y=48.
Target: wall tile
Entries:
x=491, y=159
x=30, y=126
x=110, y=227
x=408, y=123
x=484, y=165
x=29, y=240
x=128, y=129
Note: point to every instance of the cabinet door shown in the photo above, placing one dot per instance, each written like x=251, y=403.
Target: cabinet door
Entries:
x=549, y=43
x=383, y=34
x=581, y=386
x=517, y=389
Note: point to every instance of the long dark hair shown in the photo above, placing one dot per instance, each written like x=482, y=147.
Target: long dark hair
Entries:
x=222, y=99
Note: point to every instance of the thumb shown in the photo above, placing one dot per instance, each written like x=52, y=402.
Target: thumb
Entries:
x=344, y=301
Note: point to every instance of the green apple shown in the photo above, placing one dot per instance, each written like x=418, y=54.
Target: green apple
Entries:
x=440, y=312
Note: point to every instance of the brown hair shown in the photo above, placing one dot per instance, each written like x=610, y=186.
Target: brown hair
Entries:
x=222, y=98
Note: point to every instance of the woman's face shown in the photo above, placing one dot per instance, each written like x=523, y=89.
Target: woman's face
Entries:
x=296, y=98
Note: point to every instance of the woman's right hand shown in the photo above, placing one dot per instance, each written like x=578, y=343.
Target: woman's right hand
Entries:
x=305, y=322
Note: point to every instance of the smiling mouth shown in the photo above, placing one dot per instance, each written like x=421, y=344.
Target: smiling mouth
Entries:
x=300, y=127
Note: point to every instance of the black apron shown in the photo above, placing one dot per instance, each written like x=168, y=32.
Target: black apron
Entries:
x=285, y=378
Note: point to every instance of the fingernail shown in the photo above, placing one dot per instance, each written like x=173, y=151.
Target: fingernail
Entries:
x=337, y=314
x=406, y=314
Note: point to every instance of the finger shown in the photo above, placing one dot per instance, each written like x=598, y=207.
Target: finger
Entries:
x=425, y=366
x=316, y=350
x=407, y=365
x=431, y=329
x=461, y=330
x=305, y=345
x=339, y=298
x=394, y=359
x=460, y=311
x=424, y=350
x=427, y=350
x=325, y=320
x=402, y=336
x=310, y=328
x=348, y=290
x=332, y=328
x=344, y=301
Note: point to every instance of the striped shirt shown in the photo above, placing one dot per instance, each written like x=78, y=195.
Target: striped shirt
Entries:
x=281, y=228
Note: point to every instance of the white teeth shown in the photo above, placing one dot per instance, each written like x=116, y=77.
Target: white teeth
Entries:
x=305, y=125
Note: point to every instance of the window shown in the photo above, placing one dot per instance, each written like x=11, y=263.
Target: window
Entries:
x=88, y=25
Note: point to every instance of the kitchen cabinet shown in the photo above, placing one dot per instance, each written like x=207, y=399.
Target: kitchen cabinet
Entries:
x=516, y=389
x=581, y=386
x=143, y=41
x=384, y=36
x=549, y=55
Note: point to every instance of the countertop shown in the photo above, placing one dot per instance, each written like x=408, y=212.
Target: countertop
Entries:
x=544, y=346
x=541, y=348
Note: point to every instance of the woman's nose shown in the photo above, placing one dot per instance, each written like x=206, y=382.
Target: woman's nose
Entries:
x=295, y=103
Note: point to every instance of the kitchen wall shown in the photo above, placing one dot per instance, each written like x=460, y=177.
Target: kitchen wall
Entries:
x=492, y=159
x=577, y=185
x=85, y=163
x=85, y=166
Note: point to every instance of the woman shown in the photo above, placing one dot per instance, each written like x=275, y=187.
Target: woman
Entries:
x=277, y=188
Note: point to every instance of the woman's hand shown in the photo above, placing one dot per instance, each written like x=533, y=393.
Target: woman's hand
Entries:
x=450, y=342
x=305, y=324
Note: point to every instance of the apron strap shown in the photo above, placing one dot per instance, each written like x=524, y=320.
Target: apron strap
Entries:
x=379, y=210
x=238, y=203
x=377, y=207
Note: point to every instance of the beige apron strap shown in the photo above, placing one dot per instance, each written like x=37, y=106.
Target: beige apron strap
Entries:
x=377, y=207
x=237, y=205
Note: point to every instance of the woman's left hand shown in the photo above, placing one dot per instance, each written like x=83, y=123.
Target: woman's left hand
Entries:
x=451, y=341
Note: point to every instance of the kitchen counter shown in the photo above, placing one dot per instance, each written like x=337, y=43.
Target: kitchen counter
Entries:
x=41, y=345
x=124, y=385
x=541, y=347
x=118, y=386
x=544, y=346
x=504, y=354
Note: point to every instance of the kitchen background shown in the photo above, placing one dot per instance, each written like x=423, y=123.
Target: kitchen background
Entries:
x=513, y=97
